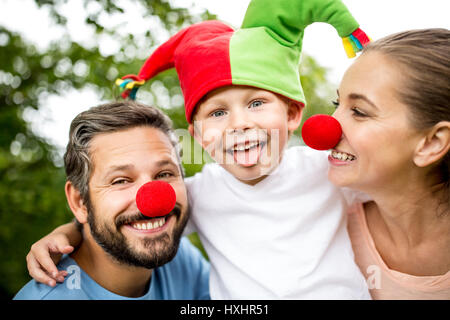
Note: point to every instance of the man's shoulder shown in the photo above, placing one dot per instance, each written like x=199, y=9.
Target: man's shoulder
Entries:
x=38, y=291
x=34, y=291
x=67, y=290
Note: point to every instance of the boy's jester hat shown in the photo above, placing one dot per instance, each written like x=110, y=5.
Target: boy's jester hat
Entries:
x=263, y=53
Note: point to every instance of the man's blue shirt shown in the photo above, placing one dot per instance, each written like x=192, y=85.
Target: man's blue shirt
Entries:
x=186, y=277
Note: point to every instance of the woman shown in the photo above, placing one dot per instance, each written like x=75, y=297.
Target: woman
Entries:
x=394, y=109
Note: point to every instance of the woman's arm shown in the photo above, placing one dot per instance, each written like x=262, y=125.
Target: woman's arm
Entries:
x=46, y=253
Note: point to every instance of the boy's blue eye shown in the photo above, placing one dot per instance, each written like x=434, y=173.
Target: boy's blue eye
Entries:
x=256, y=103
x=218, y=113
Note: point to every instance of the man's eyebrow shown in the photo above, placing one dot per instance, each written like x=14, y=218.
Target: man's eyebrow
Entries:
x=162, y=163
x=357, y=96
x=122, y=167
x=125, y=167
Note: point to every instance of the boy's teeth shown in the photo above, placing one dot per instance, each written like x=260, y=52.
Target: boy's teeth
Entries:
x=149, y=225
x=243, y=147
x=342, y=156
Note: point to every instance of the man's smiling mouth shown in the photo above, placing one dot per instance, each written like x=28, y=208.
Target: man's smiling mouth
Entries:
x=141, y=222
x=148, y=224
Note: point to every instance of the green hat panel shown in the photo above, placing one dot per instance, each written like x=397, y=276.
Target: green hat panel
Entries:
x=258, y=60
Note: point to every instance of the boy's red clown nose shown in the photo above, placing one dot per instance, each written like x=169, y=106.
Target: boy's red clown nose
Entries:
x=321, y=132
x=155, y=199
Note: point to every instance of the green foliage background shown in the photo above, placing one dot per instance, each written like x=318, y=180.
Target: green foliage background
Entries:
x=32, y=200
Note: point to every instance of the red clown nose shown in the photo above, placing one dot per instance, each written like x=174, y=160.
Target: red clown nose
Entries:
x=321, y=132
x=155, y=199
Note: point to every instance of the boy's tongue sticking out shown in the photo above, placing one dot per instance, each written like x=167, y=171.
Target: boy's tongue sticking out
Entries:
x=247, y=155
x=246, y=147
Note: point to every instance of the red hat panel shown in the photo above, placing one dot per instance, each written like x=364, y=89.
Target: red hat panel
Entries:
x=201, y=55
x=204, y=62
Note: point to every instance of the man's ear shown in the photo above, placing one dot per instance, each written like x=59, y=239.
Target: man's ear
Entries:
x=434, y=146
x=75, y=202
x=295, y=113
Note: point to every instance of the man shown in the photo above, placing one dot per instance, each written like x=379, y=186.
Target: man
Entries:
x=113, y=150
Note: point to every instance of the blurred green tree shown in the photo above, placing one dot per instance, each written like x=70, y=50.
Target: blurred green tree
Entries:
x=32, y=180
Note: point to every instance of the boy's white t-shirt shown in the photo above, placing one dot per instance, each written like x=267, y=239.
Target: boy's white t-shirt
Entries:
x=283, y=238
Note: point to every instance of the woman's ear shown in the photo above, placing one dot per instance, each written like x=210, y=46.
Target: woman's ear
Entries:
x=295, y=113
x=434, y=146
x=75, y=202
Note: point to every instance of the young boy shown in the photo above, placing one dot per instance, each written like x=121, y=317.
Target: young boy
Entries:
x=271, y=223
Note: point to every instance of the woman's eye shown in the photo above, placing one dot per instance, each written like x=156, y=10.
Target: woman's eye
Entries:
x=218, y=113
x=358, y=113
x=335, y=103
x=256, y=103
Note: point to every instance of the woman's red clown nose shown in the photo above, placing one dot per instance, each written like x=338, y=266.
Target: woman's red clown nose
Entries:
x=155, y=199
x=321, y=132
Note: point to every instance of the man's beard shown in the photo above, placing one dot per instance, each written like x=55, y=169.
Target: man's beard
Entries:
x=158, y=250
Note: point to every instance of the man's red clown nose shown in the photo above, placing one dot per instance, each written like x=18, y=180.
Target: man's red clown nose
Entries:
x=155, y=199
x=321, y=132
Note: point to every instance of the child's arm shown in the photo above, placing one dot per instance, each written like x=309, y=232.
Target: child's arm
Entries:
x=46, y=253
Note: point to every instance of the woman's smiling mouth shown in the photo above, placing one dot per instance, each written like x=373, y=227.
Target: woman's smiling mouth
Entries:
x=341, y=156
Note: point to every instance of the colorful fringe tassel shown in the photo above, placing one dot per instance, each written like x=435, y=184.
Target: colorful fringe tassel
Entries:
x=355, y=42
x=130, y=84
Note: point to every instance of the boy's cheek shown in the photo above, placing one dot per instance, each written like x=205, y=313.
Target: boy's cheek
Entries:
x=210, y=137
x=214, y=150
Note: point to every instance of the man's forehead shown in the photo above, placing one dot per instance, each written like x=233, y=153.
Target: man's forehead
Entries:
x=151, y=142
